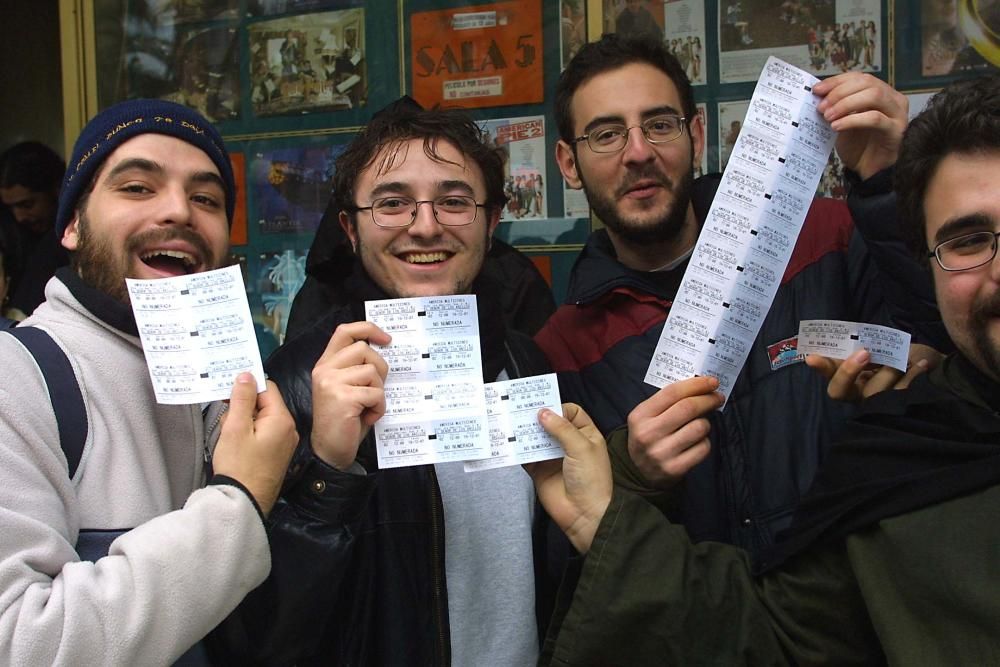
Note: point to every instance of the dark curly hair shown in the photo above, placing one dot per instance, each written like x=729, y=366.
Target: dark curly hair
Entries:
x=404, y=121
x=33, y=165
x=963, y=118
x=608, y=53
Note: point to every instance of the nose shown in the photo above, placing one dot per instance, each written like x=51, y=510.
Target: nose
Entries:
x=175, y=206
x=637, y=149
x=425, y=224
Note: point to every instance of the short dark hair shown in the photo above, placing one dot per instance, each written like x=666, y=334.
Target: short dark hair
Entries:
x=608, y=53
x=963, y=118
x=33, y=165
x=390, y=128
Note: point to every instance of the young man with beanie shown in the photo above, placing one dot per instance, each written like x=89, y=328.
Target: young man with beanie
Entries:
x=179, y=492
x=435, y=566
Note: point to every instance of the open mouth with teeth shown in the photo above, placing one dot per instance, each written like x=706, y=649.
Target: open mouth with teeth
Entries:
x=170, y=262
x=425, y=257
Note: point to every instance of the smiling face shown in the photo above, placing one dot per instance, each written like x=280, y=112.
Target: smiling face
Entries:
x=963, y=197
x=642, y=192
x=426, y=258
x=157, y=210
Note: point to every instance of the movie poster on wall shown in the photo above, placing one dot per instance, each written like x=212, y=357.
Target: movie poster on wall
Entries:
x=272, y=7
x=679, y=23
x=280, y=276
x=523, y=140
x=832, y=183
x=959, y=37
x=481, y=56
x=572, y=29
x=197, y=67
x=822, y=37
x=308, y=63
x=291, y=187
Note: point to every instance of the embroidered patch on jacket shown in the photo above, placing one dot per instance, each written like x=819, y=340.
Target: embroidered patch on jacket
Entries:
x=784, y=353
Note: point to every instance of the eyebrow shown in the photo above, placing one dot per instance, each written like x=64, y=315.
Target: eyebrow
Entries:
x=645, y=115
x=151, y=167
x=966, y=224
x=398, y=186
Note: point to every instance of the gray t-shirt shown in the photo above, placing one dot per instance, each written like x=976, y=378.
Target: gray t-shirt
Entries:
x=489, y=565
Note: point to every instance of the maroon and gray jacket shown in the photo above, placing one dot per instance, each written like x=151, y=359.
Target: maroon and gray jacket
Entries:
x=779, y=421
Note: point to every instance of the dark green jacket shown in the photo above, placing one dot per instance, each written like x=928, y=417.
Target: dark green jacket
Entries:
x=921, y=587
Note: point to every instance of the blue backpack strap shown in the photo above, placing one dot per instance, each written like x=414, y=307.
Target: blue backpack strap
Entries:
x=64, y=390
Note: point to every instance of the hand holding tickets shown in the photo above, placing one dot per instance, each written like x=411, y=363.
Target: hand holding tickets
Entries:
x=197, y=334
x=437, y=407
x=749, y=234
x=257, y=440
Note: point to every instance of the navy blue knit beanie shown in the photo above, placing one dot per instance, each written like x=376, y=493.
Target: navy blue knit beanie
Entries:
x=117, y=124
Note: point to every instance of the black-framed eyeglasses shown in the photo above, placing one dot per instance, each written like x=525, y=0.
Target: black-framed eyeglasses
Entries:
x=396, y=211
x=965, y=252
x=613, y=137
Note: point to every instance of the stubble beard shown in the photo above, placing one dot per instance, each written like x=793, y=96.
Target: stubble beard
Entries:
x=986, y=349
x=664, y=229
x=100, y=267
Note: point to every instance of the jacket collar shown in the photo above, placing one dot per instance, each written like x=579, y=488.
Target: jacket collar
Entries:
x=597, y=270
x=110, y=311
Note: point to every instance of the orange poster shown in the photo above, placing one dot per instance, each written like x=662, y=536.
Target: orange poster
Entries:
x=238, y=232
x=482, y=56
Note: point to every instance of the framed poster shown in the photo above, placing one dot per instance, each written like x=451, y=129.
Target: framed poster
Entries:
x=291, y=186
x=820, y=36
x=523, y=140
x=308, y=63
x=480, y=56
x=679, y=23
x=572, y=29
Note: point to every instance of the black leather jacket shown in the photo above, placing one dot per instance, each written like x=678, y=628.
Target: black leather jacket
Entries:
x=358, y=574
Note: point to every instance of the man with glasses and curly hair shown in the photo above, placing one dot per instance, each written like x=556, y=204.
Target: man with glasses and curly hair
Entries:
x=436, y=566
x=630, y=136
x=892, y=556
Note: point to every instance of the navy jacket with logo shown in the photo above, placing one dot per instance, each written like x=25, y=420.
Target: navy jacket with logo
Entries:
x=779, y=421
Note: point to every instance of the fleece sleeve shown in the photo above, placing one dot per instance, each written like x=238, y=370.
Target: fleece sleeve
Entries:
x=164, y=583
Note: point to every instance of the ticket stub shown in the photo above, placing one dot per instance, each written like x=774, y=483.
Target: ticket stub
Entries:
x=435, y=407
x=516, y=437
x=839, y=339
x=197, y=334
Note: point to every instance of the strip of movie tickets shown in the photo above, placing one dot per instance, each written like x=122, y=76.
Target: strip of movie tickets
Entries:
x=839, y=339
x=748, y=236
x=197, y=335
x=437, y=407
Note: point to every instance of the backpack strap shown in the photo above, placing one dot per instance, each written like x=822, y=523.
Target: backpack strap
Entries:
x=64, y=390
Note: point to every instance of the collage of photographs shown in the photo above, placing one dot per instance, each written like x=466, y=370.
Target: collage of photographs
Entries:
x=261, y=68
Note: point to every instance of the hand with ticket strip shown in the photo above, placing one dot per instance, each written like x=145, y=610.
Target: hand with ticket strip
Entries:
x=668, y=432
x=347, y=390
x=870, y=117
x=854, y=379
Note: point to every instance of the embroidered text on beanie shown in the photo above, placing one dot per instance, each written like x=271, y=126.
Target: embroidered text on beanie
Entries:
x=117, y=124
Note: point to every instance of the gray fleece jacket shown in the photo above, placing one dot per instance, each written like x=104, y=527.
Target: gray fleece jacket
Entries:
x=191, y=553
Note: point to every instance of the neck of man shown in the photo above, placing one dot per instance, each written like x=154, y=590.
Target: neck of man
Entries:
x=653, y=256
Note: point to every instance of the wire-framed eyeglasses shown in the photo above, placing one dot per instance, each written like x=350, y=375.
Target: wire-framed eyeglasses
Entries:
x=965, y=252
x=612, y=137
x=396, y=211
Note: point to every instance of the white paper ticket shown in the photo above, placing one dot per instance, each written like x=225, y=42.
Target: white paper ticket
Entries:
x=516, y=437
x=748, y=236
x=197, y=334
x=839, y=339
x=435, y=404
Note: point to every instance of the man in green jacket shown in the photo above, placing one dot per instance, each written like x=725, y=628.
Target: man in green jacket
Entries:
x=892, y=557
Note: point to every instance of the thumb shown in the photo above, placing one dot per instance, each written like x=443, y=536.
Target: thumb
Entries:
x=243, y=400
